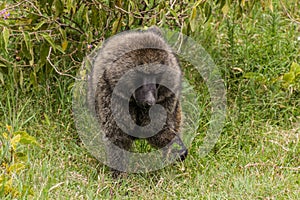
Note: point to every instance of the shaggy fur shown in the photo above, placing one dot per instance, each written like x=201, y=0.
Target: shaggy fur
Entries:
x=118, y=55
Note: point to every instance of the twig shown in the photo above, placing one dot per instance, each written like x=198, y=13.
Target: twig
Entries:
x=125, y=11
x=13, y=6
x=5, y=61
x=79, y=29
x=283, y=147
x=55, y=186
x=172, y=4
x=180, y=39
x=60, y=73
x=272, y=165
x=140, y=12
x=35, y=8
x=288, y=14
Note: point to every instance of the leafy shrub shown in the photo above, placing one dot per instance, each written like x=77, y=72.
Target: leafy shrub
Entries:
x=14, y=147
x=42, y=38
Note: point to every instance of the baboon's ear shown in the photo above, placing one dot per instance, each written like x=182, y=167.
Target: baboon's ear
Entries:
x=155, y=30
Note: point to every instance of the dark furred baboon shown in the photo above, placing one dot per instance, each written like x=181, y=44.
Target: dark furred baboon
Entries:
x=153, y=77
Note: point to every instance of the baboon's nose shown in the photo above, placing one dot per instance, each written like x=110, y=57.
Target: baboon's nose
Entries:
x=149, y=102
x=150, y=99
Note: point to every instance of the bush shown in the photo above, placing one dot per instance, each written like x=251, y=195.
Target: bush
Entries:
x=43, y=38
x=14, y=147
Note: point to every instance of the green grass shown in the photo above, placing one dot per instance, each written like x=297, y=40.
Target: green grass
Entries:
x=256, y=156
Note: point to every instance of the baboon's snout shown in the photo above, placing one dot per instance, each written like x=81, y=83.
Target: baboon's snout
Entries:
x=145, y=95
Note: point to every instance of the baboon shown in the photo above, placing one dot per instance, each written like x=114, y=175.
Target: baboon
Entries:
x=123, y=105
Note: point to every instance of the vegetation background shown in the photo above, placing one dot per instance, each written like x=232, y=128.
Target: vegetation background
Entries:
x=254, y=43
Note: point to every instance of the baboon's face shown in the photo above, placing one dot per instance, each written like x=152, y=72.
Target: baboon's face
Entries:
x=146, y=95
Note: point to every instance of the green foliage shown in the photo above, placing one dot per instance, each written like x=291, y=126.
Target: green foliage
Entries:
x=44, y=38
x=291, y=79
x=14, y=147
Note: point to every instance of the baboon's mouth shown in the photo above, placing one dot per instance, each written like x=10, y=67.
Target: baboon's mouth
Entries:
x=145, y=105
